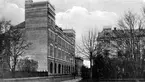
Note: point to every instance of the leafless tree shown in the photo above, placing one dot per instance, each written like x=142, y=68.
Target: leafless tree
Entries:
x=131, y=26
x=18, y=45
x=15, y=44
x=88, y=47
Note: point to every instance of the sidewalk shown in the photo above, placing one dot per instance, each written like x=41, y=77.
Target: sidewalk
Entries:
x=73, y=80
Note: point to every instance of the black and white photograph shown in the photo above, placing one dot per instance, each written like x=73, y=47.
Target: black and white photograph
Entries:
x=72, y=40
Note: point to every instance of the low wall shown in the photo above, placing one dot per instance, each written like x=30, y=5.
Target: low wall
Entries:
x=39, y=79
x=20, y=74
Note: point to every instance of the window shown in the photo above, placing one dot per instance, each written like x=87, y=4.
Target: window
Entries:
x=59, y=68
x=52, y=22
x=55, y=37
x=51, y=67
x=62, y=53
x=65, y=45
x=55, y=67
x=62, y=43
x=59, y=40
x=54, y=52
x=49, y=21
x=65, y=55
x=50, y=34
x=67, y=58
x=69, y=69
x=51, y=50
x=1, y=59
x=59, y=53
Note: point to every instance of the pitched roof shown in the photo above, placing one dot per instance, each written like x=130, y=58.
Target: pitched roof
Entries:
x=112, y=34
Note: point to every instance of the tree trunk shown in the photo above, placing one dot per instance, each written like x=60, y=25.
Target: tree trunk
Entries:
x=91, y=68
x=14, y=67
x=91, y=74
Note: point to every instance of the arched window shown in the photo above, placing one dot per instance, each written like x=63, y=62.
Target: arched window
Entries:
x=51, y=67
x=55, y=67
x=59, y=68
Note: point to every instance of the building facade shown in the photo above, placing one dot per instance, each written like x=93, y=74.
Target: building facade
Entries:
x=123, y=40
x=52, y=46
x=107, y=39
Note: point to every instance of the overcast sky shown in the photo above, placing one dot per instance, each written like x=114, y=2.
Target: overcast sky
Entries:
x=80, y=15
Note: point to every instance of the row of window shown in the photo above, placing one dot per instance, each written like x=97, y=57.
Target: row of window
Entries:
x=60, y=41
x=57, y=53
x=61, y=69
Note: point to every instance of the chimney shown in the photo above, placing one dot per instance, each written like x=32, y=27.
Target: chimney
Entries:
x=114, y=28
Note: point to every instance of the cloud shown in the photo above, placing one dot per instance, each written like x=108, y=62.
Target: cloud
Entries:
x=81, y=20
x=11, y=11
x=20, y=3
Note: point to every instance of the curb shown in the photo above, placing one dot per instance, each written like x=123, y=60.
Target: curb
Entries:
x=73, y=80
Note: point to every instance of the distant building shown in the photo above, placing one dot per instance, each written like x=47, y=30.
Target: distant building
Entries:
x=79, y=64
x=115, y=36
x=106, y=37
x=52, y=47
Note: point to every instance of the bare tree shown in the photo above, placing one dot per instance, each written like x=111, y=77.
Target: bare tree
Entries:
x=18, y=45
x=88, y=47
x=131, y=26
x=15, y=44
x=4, y=45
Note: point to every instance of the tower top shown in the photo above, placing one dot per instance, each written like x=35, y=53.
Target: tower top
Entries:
x=28, y=1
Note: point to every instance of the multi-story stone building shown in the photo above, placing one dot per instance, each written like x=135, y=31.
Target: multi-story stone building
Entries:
x=118, y=39
x=123, y=40
x=52, y=46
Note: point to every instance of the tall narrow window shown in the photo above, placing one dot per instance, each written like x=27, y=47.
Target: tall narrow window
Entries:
x=54, y=52
x=59, y=68
x=55, y=67
x=59, y=53
x=50, y=34
x=51, y=50
x=51, y=67
x=55, y=37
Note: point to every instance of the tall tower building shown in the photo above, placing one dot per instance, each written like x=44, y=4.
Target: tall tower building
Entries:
x=39, y=17
x=52, y=47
